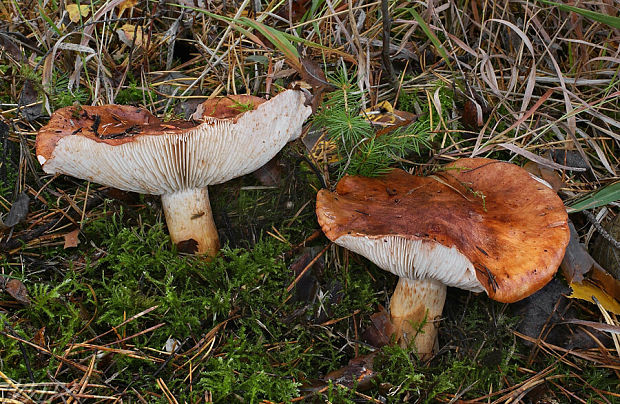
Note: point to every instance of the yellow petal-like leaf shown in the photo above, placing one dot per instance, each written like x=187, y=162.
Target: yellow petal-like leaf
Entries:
x=75, y=11
x=126, y=4
x=586, y=290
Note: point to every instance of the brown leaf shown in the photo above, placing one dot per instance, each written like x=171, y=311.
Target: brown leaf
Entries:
x=380, y=330
x=71, y=238
x=18, y=212
x=357, y=374
x=472, y=116
x=10, y=47
x=28, y=96
x=605, y=281
x=546, y=174
x=312, y=73
x=577, y=262
x=306, y=286
x=271, y=173
x=16, y=289
x=39, y=337
x=294, y=10
x=603, y=250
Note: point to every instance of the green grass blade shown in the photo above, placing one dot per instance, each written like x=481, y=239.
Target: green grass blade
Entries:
x=602, y=197
x=593, y=15
x=431, y=36
x=277, y=38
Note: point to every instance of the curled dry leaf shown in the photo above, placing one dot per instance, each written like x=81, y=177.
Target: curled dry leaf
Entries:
x=28, y=98
x=577, y=262
x=18, y=212
x=604, y=252
x=472, y=116
x=380, y=330
x=39, y=337
x=71, y=239
x=16, y=289
x=546, y=174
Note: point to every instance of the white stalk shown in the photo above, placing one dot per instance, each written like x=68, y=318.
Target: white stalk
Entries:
x=190, y=221
x=415, y=310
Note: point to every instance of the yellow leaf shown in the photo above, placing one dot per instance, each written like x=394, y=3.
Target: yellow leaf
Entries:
x=75, y=11
x=127, y=32
x=586, y=290
x=126, y=4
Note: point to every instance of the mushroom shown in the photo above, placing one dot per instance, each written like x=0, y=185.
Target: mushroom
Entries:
x=128, y=148
x=477, y=224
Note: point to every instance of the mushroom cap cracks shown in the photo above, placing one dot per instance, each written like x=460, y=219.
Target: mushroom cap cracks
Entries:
x=479, y=224
x=128, y=148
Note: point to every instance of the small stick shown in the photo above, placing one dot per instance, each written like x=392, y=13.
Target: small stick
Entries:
x=385, y=52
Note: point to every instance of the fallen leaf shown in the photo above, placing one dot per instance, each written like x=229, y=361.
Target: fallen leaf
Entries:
x=604, y=252
x=294, y=10
x=75, y=11
x=472, y=116
x=312, y=73
x=16, y=289
x=357, y=374
x=126, y=4
x=71, y=238
x=551, y=176
x=586, y=290
x=380, y=330
x=18, y=212
x=384, y=114
x=577, y=262
x=28, y=98
x=605, y=281
x=39, y=337
x=9, y=46
x=269, y=174
x=131, y=35
x=306, y=286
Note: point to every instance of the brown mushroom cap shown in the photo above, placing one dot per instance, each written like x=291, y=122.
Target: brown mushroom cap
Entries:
x=499, y=229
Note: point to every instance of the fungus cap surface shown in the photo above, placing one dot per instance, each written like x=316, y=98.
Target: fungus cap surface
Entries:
x=478, y=224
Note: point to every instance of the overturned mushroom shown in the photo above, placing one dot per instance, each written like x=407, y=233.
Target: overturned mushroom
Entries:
x=479, y=225
x=128, y=148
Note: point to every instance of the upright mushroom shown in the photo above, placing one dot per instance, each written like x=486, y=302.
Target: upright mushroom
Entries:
x=128, y=148
x=478, y=224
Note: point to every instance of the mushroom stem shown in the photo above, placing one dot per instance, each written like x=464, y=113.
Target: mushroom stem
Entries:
x=415, y=308
x=190, y=221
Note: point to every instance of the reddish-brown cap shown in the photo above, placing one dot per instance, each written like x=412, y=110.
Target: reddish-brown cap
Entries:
x=478, y=224
x=128, y=148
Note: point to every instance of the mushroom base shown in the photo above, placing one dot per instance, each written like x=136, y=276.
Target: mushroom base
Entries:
x=415, y=309
x=190, y=221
